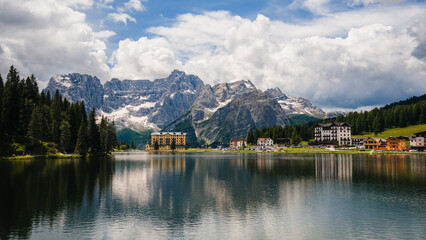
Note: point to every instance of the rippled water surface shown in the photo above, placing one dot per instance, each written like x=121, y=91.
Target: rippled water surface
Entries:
x=215, y=196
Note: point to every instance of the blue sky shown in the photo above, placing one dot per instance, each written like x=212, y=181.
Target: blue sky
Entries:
x=350, y=54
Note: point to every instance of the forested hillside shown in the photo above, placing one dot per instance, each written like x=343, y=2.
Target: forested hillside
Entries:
x=38, y=123
x=411, y=111
x=401, y=114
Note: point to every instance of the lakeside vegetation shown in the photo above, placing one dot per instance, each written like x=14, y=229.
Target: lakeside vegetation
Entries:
x=33, y=123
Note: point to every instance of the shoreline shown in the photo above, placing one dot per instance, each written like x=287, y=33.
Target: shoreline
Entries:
x=54, y=156
x=290, y=151
x=284, y=151
x=31, y=157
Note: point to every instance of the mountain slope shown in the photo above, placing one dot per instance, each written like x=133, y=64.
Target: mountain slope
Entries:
x=293, y=105
x=253, y=109
x=213, y=98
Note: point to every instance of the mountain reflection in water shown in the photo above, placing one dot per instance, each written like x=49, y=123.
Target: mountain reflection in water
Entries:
x=215, y=195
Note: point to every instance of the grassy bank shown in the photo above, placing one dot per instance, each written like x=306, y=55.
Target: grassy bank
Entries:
x=396, y=132
x=52, y=156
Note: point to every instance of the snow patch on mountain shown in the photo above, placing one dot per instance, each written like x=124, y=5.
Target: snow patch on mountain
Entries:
x=293, y=105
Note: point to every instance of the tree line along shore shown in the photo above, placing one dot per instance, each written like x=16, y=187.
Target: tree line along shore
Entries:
x=34, y=123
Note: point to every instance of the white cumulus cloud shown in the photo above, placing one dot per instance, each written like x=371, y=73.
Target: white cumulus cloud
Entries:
x=47, y=37
x=366, y=65
x=121, y=17
x=135, y=4
x=143, y=59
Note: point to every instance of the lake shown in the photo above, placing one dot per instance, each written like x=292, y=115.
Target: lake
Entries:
x=215, y=196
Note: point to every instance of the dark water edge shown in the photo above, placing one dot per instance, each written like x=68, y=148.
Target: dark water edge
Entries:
x=215, y=195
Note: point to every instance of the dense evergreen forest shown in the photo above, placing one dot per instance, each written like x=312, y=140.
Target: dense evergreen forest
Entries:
x=38, y=123
x=411, y=111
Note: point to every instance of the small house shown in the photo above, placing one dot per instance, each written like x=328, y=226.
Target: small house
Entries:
x=237, y=143
x=267, y=142
x=282, y=142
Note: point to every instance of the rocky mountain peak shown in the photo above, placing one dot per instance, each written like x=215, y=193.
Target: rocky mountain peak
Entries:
x=277, y=93
x=78, y=87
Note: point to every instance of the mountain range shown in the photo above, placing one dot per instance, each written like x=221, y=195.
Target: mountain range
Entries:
x=182, y=102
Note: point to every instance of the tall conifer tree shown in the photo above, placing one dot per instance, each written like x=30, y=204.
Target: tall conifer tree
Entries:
x=81, y=146
x=11, y=106
x=94, y=139
x=64, y=140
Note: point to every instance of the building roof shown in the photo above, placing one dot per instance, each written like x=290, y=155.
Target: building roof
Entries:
x=378, y=139
x=237, y=140
x=361, y=138
x=420, y=134
x=334, y=124
x=263, y=139
x=165, y=133
x=396, y=138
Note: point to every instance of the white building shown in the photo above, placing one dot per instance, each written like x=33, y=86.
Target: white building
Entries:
x=265, y=142
x=333, y=133
x=237, y=143
x=418, y=141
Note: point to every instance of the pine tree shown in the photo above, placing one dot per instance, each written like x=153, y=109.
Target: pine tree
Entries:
x=103, y=133
x=35, y=125
x=74, y=121
x=11, y=102
x=360, y=125
x=173, y=145
x=1, y=109
x=45, y=120
x=94, y=138
x=422, y=116
x=156, y=146
x=416, y=112
x=250, y=137
x=256, y=135
x=25, y=115
x=295, y=137
x=4, y=140
x=402, y=118
x=81, y=146
x=274, y=135
x=132, y=145
x=64, y=141
x=376, y=125
x=55, y=132
x=31, y=89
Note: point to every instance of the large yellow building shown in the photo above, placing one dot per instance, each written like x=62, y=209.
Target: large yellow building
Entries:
x=165, y=139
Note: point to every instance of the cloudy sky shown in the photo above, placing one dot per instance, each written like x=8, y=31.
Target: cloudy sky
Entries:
x=339, y=54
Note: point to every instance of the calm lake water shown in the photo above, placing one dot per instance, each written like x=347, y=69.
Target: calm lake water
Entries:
x=215, y=196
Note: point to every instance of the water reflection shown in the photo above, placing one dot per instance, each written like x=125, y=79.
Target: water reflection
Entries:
x=212, y=195
x=46, y=190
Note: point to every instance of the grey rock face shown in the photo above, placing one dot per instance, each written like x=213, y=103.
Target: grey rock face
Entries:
x=254, y=109
x=136, y=104
x=293, y=105
x=213, y=98
x=181, y=93
x=78, y=87
x=118, y=94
